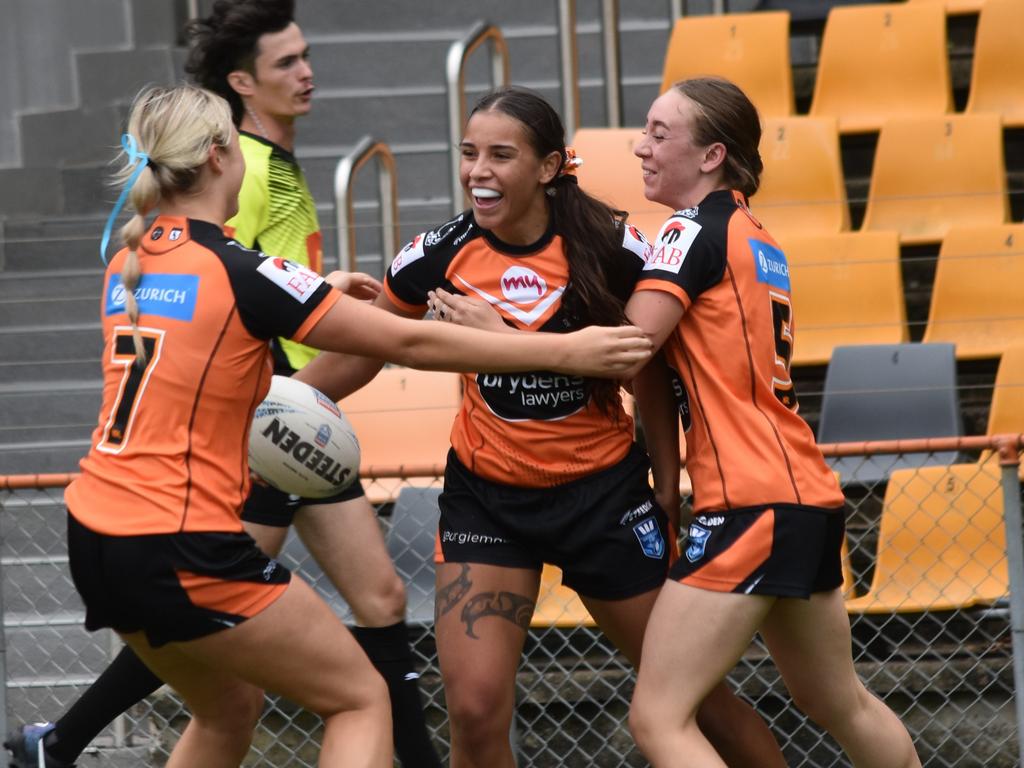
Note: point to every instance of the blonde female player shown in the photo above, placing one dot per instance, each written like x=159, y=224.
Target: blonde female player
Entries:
x=543, y=468
x=763, y=552
x=156, y=547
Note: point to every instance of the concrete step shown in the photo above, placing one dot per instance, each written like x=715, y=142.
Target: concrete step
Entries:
x=73, y=341
x=42, y=457
x=34, y=191
x=25, y=409
x=48, y=140
x=115, y=76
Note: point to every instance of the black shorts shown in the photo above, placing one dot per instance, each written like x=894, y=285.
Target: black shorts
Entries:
x=605, y=531
x=782, y=550
x=174, y=587
x=268, y=506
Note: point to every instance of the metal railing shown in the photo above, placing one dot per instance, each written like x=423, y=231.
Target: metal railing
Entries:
x=345, y=172
x=455, y=70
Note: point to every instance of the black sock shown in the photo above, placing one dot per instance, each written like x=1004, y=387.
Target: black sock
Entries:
x=389, y=650
x=125, y=682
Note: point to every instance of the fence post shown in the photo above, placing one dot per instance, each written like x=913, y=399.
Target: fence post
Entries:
x=1015, y=564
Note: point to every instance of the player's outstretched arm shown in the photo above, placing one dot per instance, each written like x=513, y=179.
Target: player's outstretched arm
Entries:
x=357, y=328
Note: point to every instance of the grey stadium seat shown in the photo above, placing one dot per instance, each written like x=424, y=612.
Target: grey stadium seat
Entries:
x=889, y=392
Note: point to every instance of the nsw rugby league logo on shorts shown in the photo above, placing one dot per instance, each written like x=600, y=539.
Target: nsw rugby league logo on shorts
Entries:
x=698, y=540
x=651, y=541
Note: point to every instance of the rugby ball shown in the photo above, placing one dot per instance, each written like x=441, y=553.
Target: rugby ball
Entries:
x=301, y=443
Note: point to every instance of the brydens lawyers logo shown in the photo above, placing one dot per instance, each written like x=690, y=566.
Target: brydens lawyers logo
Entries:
x=294, y=279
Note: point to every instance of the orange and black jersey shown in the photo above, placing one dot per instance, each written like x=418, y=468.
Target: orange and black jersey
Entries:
x=534, y=429
x=746, y=444
x=170, y=451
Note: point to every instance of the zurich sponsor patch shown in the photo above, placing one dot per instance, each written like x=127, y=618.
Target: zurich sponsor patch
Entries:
x=697, y=541
x=651, y=540
x=770, y=264
x=172, y=296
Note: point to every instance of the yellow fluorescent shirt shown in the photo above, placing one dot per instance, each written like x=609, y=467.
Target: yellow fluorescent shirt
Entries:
x=277, y=215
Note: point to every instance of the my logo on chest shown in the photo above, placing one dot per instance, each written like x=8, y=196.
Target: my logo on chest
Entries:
x=524, y=293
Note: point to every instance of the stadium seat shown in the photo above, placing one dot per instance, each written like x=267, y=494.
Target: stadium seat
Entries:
x=956, y=7
x=403, y=418
x=847, y=290
x=557, y=605
x=611, y=172
x=941, y=542
x=889, y=392
x=998, y=68
x=751, y=49
x=976, y=295
x=882, y=61
x=802, y=190
x=1006, y=416
x=931, y=174
x=411, y=540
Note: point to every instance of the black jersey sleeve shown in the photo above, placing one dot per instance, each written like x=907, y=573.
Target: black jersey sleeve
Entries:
x=422, y=264
x=274, y=296
x=689, y=253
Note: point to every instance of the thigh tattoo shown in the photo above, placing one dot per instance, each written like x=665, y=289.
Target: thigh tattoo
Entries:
x=506, y=605
x=449, y=595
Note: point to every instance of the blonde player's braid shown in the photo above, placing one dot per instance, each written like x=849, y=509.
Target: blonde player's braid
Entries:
x=170, y=131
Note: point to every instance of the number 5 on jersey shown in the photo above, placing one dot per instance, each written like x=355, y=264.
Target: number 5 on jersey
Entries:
x=133, y=383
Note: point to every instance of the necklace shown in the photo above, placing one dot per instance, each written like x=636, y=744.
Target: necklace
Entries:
x=257, y=121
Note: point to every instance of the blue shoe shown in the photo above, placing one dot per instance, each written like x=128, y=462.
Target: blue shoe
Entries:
x=26, y=747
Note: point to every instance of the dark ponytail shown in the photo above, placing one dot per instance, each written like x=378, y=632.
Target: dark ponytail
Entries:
x=592, y=232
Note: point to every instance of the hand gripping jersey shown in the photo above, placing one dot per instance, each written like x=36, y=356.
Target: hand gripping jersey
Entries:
x=277, y=215
x=534, y=429
x=169, y=454
x=746, y=444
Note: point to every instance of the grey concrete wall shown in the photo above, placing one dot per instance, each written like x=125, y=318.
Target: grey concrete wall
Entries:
x=36, y=65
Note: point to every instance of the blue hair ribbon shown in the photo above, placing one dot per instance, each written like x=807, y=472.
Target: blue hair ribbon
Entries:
x=139, y=159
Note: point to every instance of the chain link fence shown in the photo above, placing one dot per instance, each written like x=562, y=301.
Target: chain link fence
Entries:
x=928, y=582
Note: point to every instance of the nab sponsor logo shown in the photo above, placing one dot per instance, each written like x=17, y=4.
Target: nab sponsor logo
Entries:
x=294, y=279
x=413, y=251
x=770, y=264
x=673, y=243
x=172, y=296
x=175, y=234
x=522, y=285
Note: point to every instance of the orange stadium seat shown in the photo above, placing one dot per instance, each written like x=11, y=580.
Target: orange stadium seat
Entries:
x=847, y=289
x=941, y=542
x=403, y=417
x=976, y=296
x=931, y=174
x=802, y=189
x=557, y=605
x=751, y=49
x=998, y=68
x=1006, y=415
x=882, y=61
x=956, y=7
x=611, y=172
